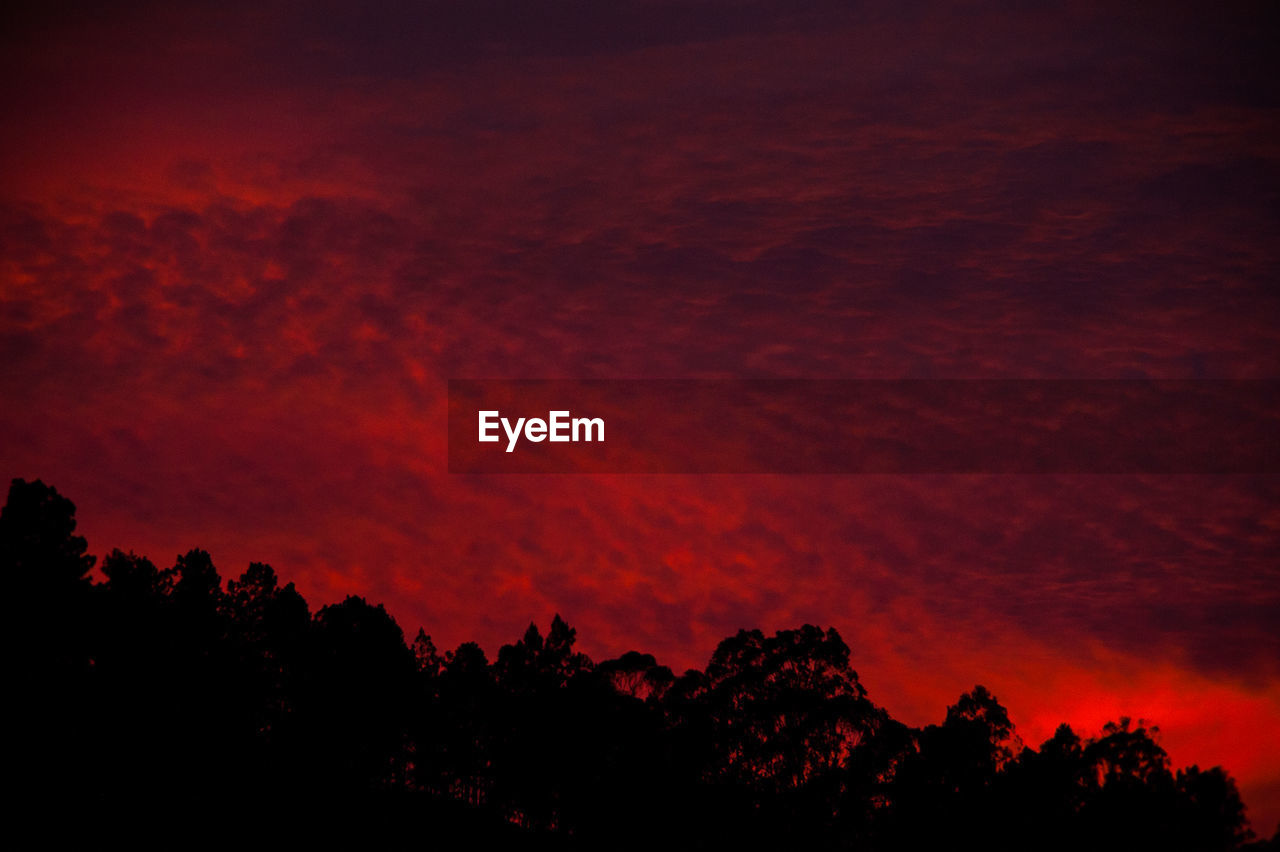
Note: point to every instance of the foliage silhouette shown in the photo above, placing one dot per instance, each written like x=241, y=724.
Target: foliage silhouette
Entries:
x=154, y=685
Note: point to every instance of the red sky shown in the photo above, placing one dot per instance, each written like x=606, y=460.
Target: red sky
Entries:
x=243, y=247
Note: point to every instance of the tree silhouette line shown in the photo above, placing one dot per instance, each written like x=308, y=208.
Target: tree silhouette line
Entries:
x=150, y=684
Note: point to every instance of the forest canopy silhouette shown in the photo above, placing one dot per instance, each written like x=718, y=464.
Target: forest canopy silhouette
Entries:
x=148, y=683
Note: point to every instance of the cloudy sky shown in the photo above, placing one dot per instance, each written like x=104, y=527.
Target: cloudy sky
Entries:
x=243, y=247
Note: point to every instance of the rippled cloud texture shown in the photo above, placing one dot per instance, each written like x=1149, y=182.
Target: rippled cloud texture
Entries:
x=243, y=248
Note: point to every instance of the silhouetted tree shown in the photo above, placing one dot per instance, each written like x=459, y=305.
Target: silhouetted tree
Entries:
x=1211, y=815
x=948, y=785
x=353, y=698
x=786, y=715
x=1045, y=791
x=787, y=708
x=40, y=554
x=636, y=675
x=453, y=733
x=429, y=661
x=270, y=628
x=48, y=631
